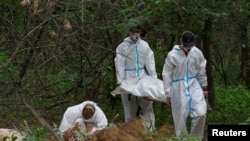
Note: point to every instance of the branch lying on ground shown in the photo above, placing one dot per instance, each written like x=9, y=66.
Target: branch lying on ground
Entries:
x=42, y=121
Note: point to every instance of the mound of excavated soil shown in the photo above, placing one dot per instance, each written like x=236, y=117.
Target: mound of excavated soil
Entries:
x=131, y=131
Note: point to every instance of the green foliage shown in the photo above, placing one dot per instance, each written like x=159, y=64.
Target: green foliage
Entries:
x=3, y=57
x=12, y=138
x=107, y=74
x=81, y=135
x=231, y=105
x=160, y=55
x=11, y=71
x=34, y=133
x=62, y=79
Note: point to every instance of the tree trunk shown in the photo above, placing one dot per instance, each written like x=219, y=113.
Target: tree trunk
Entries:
x=206, y=50
x=245, y=62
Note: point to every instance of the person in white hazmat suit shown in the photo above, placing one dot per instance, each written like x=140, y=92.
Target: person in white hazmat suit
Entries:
x=185, y=84
x=84, y=114
x=134, y=58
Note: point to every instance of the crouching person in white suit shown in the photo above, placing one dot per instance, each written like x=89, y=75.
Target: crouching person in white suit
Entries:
x=84, y=114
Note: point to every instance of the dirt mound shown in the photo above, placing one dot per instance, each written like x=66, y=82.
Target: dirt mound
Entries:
x=166, y=130
x=131, y=131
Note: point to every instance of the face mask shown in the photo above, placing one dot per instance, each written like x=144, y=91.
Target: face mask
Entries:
x=187, y=49
x=135, y=36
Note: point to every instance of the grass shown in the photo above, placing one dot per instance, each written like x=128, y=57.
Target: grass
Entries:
x=232, y=106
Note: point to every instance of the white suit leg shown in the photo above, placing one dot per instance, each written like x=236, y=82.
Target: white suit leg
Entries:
x=198, y=125
x=179, y=122
x=148, y=112
x=130, y=106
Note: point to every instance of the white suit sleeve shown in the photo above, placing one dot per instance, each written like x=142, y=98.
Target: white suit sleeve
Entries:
x=101, y=120
x=69, y=118
x=119, y=65
x=150, y=64
x=167, y=73
x=202, y=77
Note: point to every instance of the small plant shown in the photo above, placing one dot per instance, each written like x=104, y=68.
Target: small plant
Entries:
x=34, y=133
x=12, y=138
x=246, y=122
x=81, y=134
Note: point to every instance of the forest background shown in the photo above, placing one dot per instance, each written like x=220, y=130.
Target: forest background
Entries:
x=58, y=53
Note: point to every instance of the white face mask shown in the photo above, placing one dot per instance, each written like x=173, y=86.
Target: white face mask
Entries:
x=186, y=49
x=135, y=36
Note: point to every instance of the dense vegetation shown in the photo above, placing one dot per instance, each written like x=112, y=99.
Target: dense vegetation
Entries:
x=57, y=53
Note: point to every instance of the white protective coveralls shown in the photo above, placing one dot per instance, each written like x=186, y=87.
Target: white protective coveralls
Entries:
x=183, y=79
x=135, y=60
x=73, y=115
